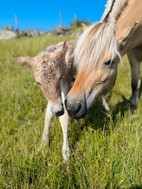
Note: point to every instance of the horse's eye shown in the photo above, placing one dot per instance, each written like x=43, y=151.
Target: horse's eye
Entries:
x=109, y=62
x=38, y=83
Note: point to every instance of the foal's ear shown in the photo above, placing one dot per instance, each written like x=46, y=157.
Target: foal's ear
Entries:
x=84, y=26
x=27, y=60
x=64, y=46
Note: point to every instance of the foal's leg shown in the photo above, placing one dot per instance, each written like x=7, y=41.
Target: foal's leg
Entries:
x=64, y=120
x=135, y=57
x=48, y=117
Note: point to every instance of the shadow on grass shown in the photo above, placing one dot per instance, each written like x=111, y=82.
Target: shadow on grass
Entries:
x=121, y=107
x=99, y=118
x=136, y=187
x=95, y=119
x=140, y=90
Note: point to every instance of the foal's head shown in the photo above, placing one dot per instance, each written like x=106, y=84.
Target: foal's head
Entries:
x=48, y=72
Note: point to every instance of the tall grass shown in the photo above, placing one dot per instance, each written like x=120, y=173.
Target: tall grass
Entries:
x=106, y=147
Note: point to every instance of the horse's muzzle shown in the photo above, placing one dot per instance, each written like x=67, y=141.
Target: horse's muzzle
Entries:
x=76, y=109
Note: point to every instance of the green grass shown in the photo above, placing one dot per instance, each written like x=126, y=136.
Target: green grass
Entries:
x=77, y=29
x=106, y=147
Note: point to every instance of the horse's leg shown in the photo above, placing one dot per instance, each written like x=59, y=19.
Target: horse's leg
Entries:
x=135, y=57
x=105, y=104
x=48, y=117
x=64, y=120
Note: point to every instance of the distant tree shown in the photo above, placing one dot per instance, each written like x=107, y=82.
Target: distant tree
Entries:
x=77, y=23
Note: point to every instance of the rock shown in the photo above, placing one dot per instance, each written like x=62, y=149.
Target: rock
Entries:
x=49, y=34
x=29, y=33
x=32, y=33
x=42, y=32
x=5, y=34
x=22, y=33
x=75, y=34
x=59, y=31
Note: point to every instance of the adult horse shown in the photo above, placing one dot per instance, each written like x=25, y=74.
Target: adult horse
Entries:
x=99, y=51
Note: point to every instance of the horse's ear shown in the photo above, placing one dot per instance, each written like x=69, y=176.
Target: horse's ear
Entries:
x=27, y=60
x=84, y=26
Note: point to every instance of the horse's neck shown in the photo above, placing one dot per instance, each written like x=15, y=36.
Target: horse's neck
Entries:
x=129, y=16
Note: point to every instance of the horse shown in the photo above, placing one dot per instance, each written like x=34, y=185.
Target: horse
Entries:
x=53, y=72
x=99, y=50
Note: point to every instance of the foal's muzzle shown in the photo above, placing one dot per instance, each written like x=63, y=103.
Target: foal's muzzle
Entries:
x=59, y=113
x=58, y=110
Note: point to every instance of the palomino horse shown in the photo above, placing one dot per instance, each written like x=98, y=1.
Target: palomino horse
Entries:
x=99, y=50
x=54, y=74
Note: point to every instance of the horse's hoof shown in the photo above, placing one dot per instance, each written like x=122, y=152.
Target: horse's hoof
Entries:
x=133, y=108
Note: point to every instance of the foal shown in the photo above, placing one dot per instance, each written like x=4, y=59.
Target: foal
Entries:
x=53, y=72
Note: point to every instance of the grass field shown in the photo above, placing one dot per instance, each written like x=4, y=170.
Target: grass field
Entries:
x=106, y=147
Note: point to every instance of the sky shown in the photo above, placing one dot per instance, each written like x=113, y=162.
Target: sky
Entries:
x=44, y=14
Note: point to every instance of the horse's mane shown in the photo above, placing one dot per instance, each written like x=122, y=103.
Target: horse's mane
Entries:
x=114, y=9
x=99, y=38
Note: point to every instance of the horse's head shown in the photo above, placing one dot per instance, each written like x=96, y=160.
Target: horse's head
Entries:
x=48, y=72
x=96, y=57
x=88, y=85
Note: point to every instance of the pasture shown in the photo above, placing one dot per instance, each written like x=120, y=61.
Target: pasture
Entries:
x=106, y=147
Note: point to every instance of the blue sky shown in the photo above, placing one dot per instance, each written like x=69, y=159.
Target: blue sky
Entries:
x=44, y=14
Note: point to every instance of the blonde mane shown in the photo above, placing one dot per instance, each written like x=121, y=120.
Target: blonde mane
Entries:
x=114, y=9
x=99, y=38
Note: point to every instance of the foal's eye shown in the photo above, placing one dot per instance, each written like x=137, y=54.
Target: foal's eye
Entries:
x=37, y=83
x=109, y=62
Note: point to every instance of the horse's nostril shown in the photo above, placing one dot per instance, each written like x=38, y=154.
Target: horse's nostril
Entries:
x=77, y=107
